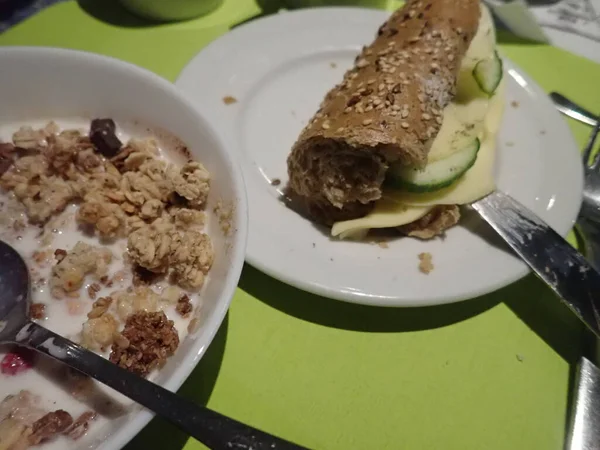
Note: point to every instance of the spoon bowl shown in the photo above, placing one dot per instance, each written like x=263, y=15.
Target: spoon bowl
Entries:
x=14, y=292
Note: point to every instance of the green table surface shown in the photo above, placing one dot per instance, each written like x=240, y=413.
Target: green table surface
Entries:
x=489, y=373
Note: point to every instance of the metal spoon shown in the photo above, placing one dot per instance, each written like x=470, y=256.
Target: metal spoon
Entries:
x=209, y=427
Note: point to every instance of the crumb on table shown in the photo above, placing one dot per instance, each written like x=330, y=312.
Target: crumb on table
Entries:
x=229, y=100
x=275, y=182
x=425, y=264
x=514, y=104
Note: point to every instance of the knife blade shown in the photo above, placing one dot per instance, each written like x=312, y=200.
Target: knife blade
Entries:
x=548, y=254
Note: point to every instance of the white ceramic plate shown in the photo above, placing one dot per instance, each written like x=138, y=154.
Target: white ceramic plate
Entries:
x=279, y=69
x=67, y=86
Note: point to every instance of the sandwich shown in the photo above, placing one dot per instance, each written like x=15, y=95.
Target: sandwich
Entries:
x=409, y=134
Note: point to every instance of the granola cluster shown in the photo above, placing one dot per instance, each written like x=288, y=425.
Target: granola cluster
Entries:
x=24, y=423
x=122, y=190
x=69, y=273
x=162, y=246
x=123, y=194
x=147, y=340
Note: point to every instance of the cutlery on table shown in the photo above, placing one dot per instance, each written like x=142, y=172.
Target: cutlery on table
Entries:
x=573, y=110
x=584, y=427
x=214, y=430
x=548, y=254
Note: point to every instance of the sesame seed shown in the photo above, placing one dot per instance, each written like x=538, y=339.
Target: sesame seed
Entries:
x=435, y=66
x=404, y=113
x=340, y=129
x=369, y=108
x=404, y=125
x=438, y=120
x=459, y=30
x=367, y=122
x=381, y=87
x=369, y=52
x=391, y=44
x=361, y=90
x=325, y=125
x=421, y=98
x=362, y=63
x=380, y=106
x=359, y=109
x=411, y=13
x=450, y=57
x=406, y=82
x=396, y=107
x=392, y=70
x=371, y=81
x=425, y=116
x=377, y=101
x=394, y=113
x=347, y=110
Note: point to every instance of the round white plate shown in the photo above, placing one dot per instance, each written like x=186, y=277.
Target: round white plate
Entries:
x=278, y=69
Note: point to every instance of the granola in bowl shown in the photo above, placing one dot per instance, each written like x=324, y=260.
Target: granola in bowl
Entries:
x=115, y=233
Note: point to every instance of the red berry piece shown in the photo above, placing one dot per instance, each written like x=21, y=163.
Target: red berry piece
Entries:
x=17, y=361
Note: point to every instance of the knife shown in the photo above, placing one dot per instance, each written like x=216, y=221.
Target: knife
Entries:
x=548, y=254
x=574, y=111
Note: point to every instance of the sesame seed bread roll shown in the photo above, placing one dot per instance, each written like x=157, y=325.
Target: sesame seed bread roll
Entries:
x=387, y=109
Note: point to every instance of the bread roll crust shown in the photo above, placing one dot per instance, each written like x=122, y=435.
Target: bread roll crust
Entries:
x=387, y=109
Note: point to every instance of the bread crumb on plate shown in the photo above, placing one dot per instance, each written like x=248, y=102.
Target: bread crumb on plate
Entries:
x=425, y=264
x=229, y=100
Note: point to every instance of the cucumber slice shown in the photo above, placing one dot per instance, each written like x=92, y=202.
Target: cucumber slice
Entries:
x=488, y=74
x=434, y=176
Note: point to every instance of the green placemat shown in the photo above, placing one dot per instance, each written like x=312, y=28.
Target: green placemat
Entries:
x=490, y=373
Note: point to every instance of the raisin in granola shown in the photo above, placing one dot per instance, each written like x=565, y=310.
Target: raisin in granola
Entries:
x=184, y=305
x=37, y=311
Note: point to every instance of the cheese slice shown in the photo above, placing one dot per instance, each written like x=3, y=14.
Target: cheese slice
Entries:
x=385, y=214
x=479, y=179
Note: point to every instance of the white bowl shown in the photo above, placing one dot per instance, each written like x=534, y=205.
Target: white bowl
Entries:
x=46, y=83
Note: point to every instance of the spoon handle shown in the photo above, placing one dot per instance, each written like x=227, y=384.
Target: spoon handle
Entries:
x=209, y=427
